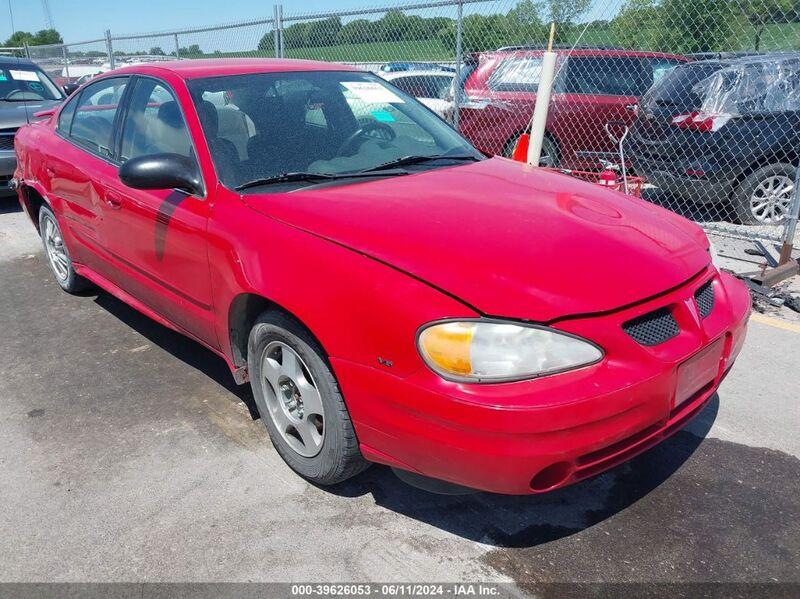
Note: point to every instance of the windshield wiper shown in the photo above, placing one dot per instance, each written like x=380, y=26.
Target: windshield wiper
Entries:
x=301, y=176
x=409, y=160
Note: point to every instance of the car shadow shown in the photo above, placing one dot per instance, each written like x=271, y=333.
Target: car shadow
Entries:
x=491, y=519
x=526, y=521
x=188, y=351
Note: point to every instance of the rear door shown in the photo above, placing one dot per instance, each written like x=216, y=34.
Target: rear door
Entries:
x=81, y=164
x=158, y=237
x=594, y=91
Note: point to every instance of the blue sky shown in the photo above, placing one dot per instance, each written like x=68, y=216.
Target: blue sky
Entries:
x=87, y=19
x=80, y=20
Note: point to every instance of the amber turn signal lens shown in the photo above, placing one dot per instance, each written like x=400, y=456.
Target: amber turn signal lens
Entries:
x=447, y=346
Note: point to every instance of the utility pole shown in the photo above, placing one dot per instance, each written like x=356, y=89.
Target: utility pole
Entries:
x=11, y=14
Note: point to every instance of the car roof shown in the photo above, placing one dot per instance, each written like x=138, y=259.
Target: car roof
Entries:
x=217, y=67
x=604, y=52
x=13, y=61
x=401, y=74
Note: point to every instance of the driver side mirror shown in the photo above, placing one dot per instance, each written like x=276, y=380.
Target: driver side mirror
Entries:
x=70, y=88
x=162, y=171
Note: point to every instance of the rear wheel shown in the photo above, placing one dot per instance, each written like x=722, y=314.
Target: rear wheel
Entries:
x=548, y=157
x=299, y=401
x=764, y=196
x=57, y=253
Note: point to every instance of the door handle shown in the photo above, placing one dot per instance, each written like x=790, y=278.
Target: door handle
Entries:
x=113, y=201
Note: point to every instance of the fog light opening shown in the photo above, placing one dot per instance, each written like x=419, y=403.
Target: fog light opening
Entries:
x=552, y=476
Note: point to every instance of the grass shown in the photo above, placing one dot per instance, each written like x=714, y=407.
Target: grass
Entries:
x=422, y=50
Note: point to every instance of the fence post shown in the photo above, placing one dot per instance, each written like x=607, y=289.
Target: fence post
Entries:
x=280, y=31
x=66, y=60
x=459, y=60
x=275, y=32
x=790, y=225
x=177, y=47
x=110, y=49
x=27, y=50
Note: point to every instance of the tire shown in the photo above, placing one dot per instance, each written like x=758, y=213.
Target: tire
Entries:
x=57, y=253
x=772, y=185
x=550, y=155
x=291, y=391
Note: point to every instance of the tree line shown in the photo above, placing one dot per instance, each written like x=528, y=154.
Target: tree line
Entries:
x=680, y=26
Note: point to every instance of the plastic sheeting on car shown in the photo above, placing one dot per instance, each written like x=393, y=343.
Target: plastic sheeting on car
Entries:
x=753, y=85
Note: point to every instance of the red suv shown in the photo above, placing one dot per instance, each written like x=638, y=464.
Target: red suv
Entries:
x=592, y=87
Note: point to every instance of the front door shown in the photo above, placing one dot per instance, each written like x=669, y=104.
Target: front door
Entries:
x=158, y=237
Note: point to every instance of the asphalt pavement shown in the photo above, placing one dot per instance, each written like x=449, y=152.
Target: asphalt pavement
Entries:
x=128, y=454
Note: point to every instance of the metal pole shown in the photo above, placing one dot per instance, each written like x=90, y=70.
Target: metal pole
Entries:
x=27, y=50
x=11, y=14
x=177, y=48
x=110, y=49
x=280, y=30
x=459, y=60
x=275, y=35
x=66, y=61
x=790, y=225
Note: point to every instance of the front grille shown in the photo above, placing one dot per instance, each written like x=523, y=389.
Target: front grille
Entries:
x=7, y=139
x=652, y=328
x=704, y=298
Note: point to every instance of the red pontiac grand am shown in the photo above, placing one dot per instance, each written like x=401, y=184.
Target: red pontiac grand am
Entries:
x=391, y=294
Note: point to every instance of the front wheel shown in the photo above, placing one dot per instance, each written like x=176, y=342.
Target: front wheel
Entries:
x=299, y=401
x=764, y=196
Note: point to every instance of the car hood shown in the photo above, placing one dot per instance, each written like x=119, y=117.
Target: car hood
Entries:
x=508, y=239
x=16, y=114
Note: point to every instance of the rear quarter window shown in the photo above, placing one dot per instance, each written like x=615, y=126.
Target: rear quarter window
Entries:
x=517, y=74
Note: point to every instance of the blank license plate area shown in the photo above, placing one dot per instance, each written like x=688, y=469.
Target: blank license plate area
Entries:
x=698, y=371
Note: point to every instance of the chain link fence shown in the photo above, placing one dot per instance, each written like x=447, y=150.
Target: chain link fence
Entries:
x=698, y=100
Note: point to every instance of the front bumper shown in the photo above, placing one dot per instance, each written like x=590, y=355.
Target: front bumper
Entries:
x=8, y=163
x=538, y=435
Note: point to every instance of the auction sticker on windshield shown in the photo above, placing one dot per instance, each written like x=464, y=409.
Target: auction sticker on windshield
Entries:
x=24, y=75
x=372, y=93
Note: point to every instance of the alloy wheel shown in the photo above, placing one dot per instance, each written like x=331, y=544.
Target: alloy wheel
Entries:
x=770, y=200
x=293, y=400
x=56, y=253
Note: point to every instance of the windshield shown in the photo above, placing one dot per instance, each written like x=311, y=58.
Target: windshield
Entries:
x=265, y=125
x=26, y=83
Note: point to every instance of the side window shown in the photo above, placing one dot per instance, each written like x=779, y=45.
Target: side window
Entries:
x=517, y=74
x=608, y=76
x=92, y=124
x=154, y=123
x=65, y=116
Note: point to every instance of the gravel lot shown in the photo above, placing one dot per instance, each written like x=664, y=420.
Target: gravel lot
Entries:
x=128, y=454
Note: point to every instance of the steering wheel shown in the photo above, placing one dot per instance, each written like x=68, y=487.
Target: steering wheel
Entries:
x=15, y=92
x=360, y=135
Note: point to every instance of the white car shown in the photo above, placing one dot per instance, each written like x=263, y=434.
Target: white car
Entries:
x=432, y=88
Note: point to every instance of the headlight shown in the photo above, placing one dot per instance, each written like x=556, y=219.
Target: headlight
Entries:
x=490, y=351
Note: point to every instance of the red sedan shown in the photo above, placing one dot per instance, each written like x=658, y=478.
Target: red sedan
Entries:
x=391, y=294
